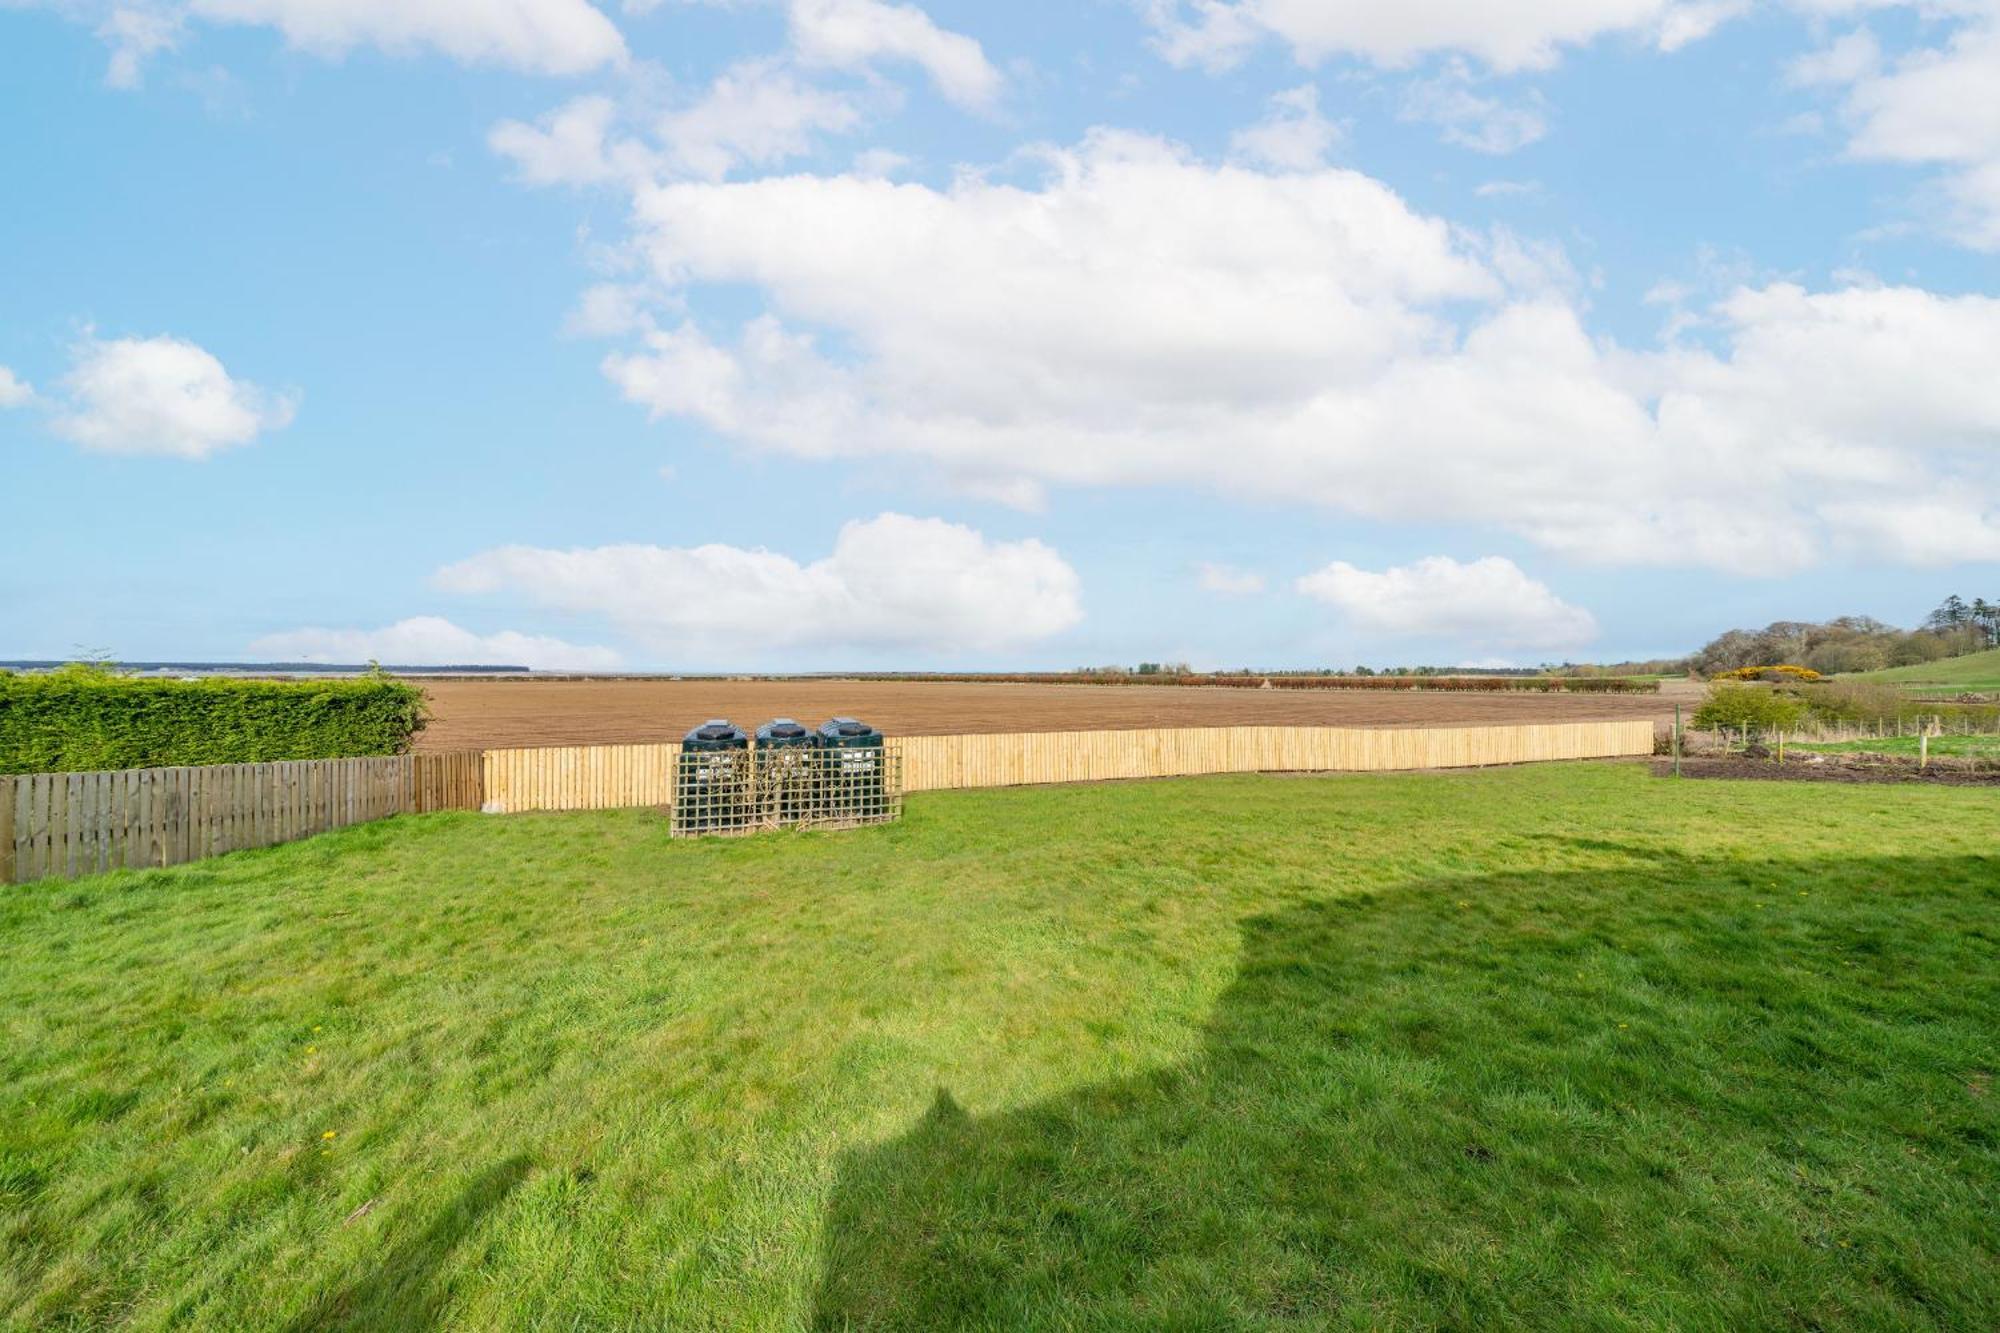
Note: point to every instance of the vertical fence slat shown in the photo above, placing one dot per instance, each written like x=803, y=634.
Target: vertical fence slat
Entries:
x=7, y=824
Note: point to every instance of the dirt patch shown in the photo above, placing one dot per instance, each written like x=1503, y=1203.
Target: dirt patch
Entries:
x=477, y=714
x=1862, y=769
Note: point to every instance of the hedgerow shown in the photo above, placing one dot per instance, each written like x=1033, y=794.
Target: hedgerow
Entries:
x=86, y=717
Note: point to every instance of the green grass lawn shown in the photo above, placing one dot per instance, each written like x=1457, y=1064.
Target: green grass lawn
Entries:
x=1981, y=747
x=1976, y=672
x=1567, y=1046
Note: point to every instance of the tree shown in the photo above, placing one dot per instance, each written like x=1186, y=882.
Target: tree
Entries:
x=1986, y=618
x=1951, y=613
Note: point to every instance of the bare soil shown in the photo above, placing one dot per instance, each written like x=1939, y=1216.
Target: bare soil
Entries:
x=1864, y=768
x=479, y=714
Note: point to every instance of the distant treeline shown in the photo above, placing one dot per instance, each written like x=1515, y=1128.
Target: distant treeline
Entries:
x=1463, y=682
x=1857, y=643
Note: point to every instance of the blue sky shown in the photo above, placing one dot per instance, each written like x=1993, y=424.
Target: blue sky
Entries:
x=813, y=334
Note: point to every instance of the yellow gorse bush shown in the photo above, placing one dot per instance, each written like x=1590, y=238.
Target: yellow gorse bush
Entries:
x=1783, y=672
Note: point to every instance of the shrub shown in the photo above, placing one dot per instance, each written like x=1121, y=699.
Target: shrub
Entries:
x=1746, y=706
x=83, y=717
x=1860, y=701
x=1776, y=674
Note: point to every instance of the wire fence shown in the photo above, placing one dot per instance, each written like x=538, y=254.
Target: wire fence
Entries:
x=770, y=787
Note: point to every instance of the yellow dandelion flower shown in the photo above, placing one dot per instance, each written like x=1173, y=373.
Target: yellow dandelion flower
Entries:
x=330, y=1134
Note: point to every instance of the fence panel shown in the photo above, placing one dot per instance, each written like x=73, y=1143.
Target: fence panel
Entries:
x=579, y=777
x=70, y=824
x=936, y=763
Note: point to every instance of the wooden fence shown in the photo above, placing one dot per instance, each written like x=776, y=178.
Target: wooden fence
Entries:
x=68, y=824
x=580, y=777
x=597, y=777
x=932, y=763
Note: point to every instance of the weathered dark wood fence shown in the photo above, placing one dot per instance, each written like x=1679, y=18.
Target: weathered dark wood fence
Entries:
x=68, y=824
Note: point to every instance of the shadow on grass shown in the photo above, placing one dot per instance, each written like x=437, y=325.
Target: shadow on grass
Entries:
x=1667, y=1093
x=404, y=1290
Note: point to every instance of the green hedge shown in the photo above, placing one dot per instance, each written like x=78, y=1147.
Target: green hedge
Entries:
x=82, y=718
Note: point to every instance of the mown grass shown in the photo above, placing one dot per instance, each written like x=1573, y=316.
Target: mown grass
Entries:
x=1564, y=1046
x=1982, y=747
x=1977, y=672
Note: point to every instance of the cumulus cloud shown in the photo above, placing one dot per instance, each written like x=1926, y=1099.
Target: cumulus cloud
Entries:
x=756, y=113
x=891, y=584
x=1931, y=106
x=847, y=34
x=434, y=641
x=568, y=146
x=1228, y=580
x=1395, y=33
x=1294, y=136
x=161, y=396
x=1489, y=603
x=535, y=36
x=14, y=391
x=1142, y=317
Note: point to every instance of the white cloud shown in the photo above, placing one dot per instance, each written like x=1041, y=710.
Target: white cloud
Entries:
x=1948, y=530
x=135, y=35
x=1395, y=33
x=846, y=34
x=162, y=396
x=880, y=163
x=1488, y=602
x=433, y=641
x=538, y=36
x=1852, y=56
x=567, y=146
x=756, y=113
x=1294, y=136
x=1140, y=317
x=1227, y=580
x=14, y=391
x=1468, y=119
x=891, y=584
x=535, y=36
x=1935, y=106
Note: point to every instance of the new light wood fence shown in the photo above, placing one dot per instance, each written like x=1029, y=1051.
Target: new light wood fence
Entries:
x=580, y=777
x=68, y=824
x=932, y=763
x=597, y=777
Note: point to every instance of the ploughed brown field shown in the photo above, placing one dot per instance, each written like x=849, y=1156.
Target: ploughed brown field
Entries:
x=496, y=714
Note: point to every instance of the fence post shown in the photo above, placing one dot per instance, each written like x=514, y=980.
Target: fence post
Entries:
x=6, y=830
x=1677, y=740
